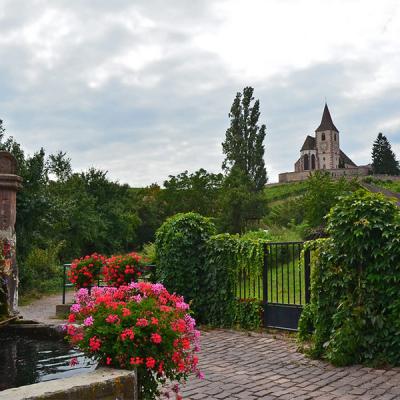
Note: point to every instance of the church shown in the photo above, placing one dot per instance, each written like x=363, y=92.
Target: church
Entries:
x=322, y=152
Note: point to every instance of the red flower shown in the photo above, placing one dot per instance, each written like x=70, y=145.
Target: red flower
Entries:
x=156, y=338
x=94, y=343
x=71, y=318
x=150, y=362
x=142, y=322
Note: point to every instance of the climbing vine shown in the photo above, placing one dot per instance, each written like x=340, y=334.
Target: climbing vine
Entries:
x=354, y=314
x=204, y=267
x=227, y=256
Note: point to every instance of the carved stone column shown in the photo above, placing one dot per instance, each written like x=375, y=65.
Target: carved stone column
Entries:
x=9, y=184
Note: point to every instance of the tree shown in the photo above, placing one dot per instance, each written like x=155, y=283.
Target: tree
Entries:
x=244, y=139
x=383, y=159
x=197, y=192
x=240, y=203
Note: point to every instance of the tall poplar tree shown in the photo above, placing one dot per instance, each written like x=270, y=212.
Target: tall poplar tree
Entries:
x=383, y=159
x=243, y=145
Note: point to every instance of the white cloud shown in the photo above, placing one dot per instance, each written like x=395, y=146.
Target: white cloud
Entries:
x=150, y=83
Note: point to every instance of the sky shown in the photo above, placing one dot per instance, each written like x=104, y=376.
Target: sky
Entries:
x=143, y=88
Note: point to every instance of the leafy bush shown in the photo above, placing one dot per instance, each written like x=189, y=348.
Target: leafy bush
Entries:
x=181, y=250
x=85, y=271
x=355, y=291
x=248, y=314
x=149, y=253
x=122, y=269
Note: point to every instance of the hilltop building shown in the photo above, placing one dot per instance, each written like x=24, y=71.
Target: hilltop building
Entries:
x=322, y=152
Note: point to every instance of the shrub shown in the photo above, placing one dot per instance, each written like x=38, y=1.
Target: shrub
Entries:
x=355, y=291
x=138, y=326
x=41, y=269
x=181, y=250
x=122, y=269
x=85, y=271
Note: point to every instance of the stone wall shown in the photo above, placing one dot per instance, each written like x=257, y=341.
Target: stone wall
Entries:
x=336, y=173
x=103, y=384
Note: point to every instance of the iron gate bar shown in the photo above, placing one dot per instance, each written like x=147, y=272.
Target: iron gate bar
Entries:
x=277, y=312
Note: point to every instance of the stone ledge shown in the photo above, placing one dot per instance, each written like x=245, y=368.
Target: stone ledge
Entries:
x=62, y=310
x=102, y=384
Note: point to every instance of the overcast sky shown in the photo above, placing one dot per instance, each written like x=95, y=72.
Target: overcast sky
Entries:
x=142, y=88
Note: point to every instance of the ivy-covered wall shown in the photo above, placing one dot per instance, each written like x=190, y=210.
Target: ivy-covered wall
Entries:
x=354, y=314
x=204, y=267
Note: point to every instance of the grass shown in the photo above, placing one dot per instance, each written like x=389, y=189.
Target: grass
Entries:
x=393, y=186
x=284, y=190
x=283, y=285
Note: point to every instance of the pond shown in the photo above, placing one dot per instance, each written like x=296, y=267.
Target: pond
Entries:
x=25, y=360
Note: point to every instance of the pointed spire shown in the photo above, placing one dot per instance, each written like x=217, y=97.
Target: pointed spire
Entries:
x=326, y=122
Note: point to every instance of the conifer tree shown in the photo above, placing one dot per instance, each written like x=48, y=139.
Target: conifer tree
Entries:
x=243, y=146
x=383, y=159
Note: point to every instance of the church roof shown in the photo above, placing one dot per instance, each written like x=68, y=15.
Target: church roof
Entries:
x=309, y=144
x=345, y=159
x=326, y=122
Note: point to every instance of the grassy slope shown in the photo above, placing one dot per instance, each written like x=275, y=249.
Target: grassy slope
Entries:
x=284, y=190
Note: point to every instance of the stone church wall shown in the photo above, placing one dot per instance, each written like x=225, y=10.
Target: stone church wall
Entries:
x=336, y=173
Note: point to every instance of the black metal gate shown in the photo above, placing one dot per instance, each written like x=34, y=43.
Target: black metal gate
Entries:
x=283, y=287
x=286, y=284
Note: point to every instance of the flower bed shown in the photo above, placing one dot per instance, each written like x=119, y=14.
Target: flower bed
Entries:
x=139, y=326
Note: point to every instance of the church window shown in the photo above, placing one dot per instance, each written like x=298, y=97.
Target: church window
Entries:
x=312, y=161
x=323, y=136
x=306, y=162
x=334, y=137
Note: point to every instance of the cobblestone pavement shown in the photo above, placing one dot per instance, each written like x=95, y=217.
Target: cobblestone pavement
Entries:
x=239, y=366
x=245, y=366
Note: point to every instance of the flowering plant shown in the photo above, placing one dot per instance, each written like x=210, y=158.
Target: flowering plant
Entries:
x=139, y=326
x=122, y=269
x=85, y=271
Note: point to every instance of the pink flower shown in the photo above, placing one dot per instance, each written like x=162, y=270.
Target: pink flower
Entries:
x=200, y=375
x=156, y=338
x=181, y=305
x=73, y=361
x=75, y=308
x=88, y=321
x=108, y=360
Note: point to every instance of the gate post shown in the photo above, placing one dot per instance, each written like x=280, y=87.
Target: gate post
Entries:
x=307, y=275
x=265, y=273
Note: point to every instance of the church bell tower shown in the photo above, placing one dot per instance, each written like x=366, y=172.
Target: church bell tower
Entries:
x=327, y=142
